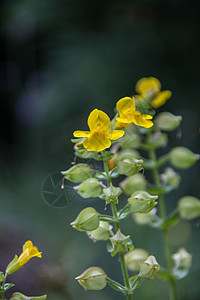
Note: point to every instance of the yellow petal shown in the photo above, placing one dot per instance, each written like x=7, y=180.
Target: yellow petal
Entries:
x=28, y=245
x=79, y=133
x=97, y=141
x=35, y=252
x=161, y=98
x=125, y=104
x=98, y=120
x=122, y=123
x=143, y=120
x=147, y=84
x=116, y=134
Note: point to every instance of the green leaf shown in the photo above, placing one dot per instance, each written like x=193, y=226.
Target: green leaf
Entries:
x=1, y=276
x=100, y=175
x=19, y=296
x=170, y=222
x=7, y=286
x=106, y=155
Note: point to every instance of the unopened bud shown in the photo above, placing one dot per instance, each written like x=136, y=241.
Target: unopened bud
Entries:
x=87, y=220
x=143, y=219
x=93, y=278
x=129, y=166
x=167, y=121
x=142, y=202
x=189, y=207
x=78, y=173
x=170, y=178
x=89, y=188
x=149, y=268
x=133, y=258
x=13, y=266
x=182, y=259
x=183, y=158
x=120, y=242
x=102, y=233
x=112, y=193
x=133, y=183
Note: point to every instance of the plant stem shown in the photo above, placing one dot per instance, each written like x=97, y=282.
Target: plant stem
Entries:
x=115, y=215
x=156, y=177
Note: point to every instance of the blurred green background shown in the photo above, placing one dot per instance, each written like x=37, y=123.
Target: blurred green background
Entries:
x=60, y=60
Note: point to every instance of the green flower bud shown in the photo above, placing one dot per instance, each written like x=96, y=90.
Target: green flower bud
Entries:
x=133, y=183
x=189, y=207
x=120, y=242
x=131, y=139
x=142, y=202
x=167, y=121
x=170, y=178
x=19, y=296
x=133, y=258
x=157, y=140
x=102, y=233
x=93, y=278
x=112, y=193
x=182, y=259
x=149, y=268
x=129, y=166
x=78, y=173
x=13, y=266
x=90, y=188
x=126, y=152
x=183, y=158
x=87, y=220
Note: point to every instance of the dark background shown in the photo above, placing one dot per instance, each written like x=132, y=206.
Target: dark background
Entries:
x=59, y=61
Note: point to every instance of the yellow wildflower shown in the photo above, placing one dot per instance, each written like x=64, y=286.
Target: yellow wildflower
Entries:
x=129, y=114
x=150, y=89
x=29, y=251
x=99, y=137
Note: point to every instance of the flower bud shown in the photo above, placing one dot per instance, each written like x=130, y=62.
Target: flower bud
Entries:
x=120, y=242
x=133, y=258
x=129, y=166
x=133, y=183
x=142, y=202
x=170, y=178
x=78, y=173
x=90, y=188
x=102, y=233
x=183, y=158
x=157, y=140
x=87, y=220
x=189, y=207
x=112, y=193
x=182, y=259
x=19, y=296
x=149, y=268
x=167, y=121
x=93, y=278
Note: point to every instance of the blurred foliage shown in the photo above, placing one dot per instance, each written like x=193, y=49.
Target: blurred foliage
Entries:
x=60, y=60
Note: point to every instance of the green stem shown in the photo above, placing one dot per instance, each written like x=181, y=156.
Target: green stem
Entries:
x=117, y=226
x=156, y=177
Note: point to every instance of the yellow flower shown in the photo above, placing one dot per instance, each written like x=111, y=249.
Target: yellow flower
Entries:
x=129, y=115
x=99, y=137
x=29, y=251
x=149, y=88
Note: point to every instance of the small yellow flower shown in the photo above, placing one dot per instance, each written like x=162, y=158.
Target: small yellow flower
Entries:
x=29, y=251
x=149, y=88
x=129, y=115
x=99, y=137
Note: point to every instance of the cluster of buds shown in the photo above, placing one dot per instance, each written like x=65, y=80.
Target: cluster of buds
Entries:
x=132, y=130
